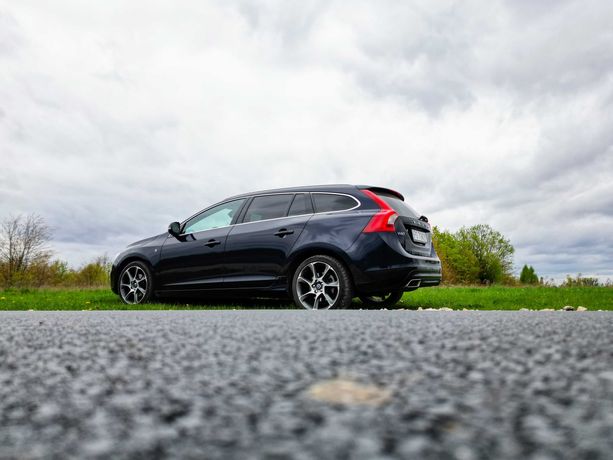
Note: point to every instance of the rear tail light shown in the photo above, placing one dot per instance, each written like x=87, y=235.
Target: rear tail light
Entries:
x=384, y=220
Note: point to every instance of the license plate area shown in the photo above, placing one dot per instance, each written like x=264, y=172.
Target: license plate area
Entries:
x=420, y=237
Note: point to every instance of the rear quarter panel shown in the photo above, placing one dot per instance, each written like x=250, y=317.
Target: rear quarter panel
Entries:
x=333, y=232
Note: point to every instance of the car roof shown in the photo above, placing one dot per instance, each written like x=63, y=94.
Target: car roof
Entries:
x=303, y=188
x=338, y=188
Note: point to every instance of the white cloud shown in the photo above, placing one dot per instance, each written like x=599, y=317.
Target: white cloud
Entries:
x=117, y=118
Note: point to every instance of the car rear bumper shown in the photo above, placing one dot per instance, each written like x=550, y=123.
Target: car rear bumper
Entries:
x=380, y=264
x=413, y=275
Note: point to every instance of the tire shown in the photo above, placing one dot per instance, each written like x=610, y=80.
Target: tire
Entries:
x=135, y=283
x=386, y=300
x=321, y=283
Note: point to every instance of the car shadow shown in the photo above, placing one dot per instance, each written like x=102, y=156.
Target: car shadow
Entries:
x=235, y=303
x=226, y=303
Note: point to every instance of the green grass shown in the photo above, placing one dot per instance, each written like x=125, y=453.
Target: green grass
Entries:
x=481, y=298
x=101, y=299
x=510, y=298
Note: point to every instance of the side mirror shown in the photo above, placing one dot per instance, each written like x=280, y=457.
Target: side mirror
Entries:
x=174, y=229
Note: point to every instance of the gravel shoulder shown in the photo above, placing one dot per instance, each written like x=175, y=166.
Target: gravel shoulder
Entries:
x=306, y=385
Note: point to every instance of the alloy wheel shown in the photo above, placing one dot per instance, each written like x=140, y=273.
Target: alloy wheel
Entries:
x=317, y=286
x=133, y=285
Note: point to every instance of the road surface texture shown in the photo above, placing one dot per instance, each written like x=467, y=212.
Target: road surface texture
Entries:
x=306, y=385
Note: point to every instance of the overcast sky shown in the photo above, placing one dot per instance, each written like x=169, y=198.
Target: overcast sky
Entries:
x=118, y=117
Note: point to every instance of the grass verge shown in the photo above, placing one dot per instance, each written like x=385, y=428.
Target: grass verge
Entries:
x=104, y=299
x=509, y=298
x=456, y=297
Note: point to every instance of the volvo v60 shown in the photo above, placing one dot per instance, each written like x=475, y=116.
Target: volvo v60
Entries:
x=320, y=245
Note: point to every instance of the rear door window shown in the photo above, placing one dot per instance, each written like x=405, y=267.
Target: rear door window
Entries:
x=268, y=207
x=326, y=202
x=301, y=205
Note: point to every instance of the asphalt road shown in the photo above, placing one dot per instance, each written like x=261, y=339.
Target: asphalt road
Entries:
x=306, y=385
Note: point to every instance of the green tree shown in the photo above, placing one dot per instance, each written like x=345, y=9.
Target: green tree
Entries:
x=459, y=264
x=528, y=275
x=494, y=252
x=524, y=275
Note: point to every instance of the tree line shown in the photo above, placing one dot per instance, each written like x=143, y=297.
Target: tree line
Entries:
x=472, y=255
x=26, y=259
x=482, y=255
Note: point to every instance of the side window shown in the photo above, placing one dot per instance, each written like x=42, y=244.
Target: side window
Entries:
x=301, y=205
x=267, y=207
x=219, y=216
x=325, y=202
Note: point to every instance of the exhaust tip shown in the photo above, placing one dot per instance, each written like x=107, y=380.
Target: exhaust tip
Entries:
x=414, y=283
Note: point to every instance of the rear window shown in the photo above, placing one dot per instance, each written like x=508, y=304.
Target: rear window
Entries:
x=267, y=207
x=326, y=202
x=398, y=205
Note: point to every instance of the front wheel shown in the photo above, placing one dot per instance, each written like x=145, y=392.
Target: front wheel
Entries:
x=135, y=283
x=388, y=299
x=321, y=283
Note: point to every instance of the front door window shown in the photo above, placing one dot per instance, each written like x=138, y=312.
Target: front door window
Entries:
x=216, y=217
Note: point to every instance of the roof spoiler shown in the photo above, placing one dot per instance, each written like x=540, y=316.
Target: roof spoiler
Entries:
x=389, y=191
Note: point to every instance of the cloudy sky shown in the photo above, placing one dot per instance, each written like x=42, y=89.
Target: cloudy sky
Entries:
x=119, y=117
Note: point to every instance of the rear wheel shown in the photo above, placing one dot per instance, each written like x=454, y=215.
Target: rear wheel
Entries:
x=321, y=283
x=388, y=299
x=135, y=283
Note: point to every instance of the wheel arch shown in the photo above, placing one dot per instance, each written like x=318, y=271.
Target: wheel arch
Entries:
x=304, y=253
x=126, y=261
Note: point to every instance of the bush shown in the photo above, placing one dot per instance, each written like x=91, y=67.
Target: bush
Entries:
x=95, y=273
x=477, y=254
x=57, y=273
x=580, y=281
x=459, y=264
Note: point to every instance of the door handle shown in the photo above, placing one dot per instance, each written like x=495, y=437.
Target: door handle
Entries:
x=283, y=232
x=212, y=243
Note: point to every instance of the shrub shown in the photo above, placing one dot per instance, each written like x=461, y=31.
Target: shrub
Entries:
x=95, y=273
x=580, y=281
x=477, y=254
x=459, y=264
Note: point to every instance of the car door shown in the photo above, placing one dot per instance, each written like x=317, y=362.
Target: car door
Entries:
x=258, y=247
x=195, y=259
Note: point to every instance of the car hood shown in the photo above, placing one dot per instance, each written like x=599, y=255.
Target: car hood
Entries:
x=157, y=239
